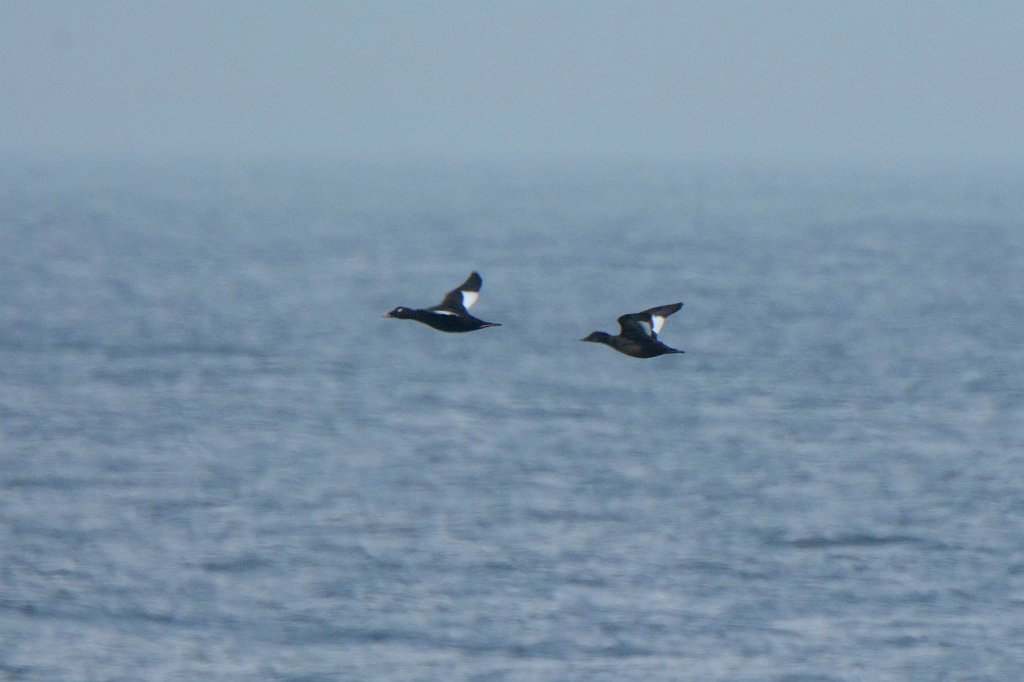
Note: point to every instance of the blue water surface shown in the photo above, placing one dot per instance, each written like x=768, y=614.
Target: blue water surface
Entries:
x=219, y=462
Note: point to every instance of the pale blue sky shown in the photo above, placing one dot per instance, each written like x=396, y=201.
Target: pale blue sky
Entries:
x=929, y=82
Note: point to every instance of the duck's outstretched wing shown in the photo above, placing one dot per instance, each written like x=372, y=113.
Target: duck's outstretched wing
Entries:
x=645, y=325
x=462, y=298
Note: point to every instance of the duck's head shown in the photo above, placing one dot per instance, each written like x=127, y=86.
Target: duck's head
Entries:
x=401, y=312
x=597, y=337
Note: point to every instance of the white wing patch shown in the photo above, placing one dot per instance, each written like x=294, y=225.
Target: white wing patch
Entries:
x=469, y=298
x=442, y=312
x=657, y=322
x=646, y=326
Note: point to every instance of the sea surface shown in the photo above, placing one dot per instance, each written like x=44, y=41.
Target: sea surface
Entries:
x=219, y=462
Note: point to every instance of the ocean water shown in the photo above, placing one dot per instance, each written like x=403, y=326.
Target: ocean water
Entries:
x=218, y=461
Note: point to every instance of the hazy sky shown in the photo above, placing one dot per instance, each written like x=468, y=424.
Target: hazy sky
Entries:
x=913, y=82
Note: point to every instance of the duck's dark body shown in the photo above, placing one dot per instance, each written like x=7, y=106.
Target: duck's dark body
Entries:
x=638, y=337
x=632, y=347
x=451, y=314
x=444, y=322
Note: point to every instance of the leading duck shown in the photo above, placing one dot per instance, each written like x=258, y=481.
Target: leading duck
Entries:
x=451, y=314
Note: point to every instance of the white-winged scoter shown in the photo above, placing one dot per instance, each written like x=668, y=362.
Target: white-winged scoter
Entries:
x=639, y=335
x=451, y=314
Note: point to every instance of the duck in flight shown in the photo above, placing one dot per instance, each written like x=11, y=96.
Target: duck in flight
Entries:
x=639, y=335
x=451, y=314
